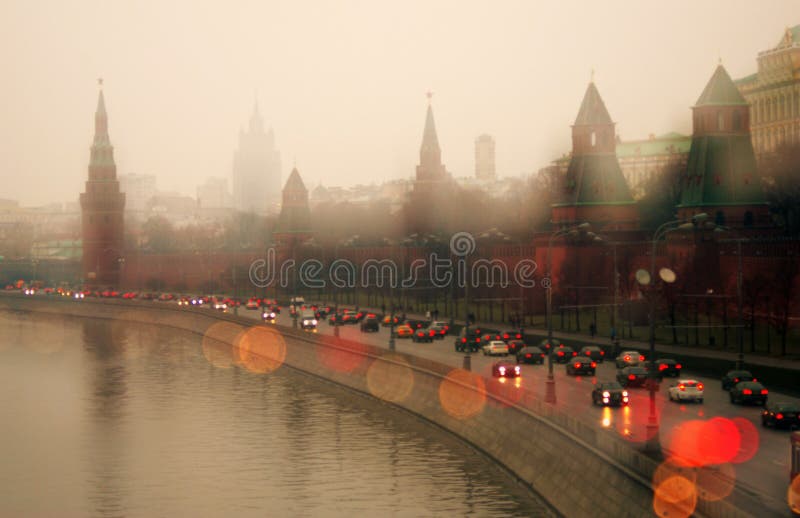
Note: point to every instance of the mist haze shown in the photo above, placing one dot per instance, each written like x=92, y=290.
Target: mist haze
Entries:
x=343, y=83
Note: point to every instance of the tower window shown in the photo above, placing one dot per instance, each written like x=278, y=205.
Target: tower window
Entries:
x=594, y=139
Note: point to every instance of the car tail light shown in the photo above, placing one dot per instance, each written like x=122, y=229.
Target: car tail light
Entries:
x=505, y=336
x=682, y=387
x=578, y=365
x=478, y=340
x=627, y=358
x=574, y=353
x=764, y=392
x=736, y=380
x=641, y=357
x=779, y=416
x=602, y=353
x=593, y=364
x=755, y=379
x=542, y=355
x=588, y=353
x=747, y=392
x=561, y=353
x=678, y=366
x=662, y=367
x=699, y=386
x=631, y=376
x=528, y=355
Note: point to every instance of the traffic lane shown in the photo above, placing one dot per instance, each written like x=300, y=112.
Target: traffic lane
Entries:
x=765, y=472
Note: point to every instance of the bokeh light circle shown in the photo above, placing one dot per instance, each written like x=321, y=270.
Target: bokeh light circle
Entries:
x=219, y=344
x=793, y=495
x=462, y=394
x=749, y=440
x=715, y=482
x=390, y=378
x=675, y=497
x=262, y=349
x=719, y=441
x=339, y=355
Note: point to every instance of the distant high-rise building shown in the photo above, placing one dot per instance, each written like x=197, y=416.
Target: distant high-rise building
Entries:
x=595, y=190
x=102, y=208
x=774, y=94
x=138, y=189
x=256, y=168
x=484, y=158
x=722, y=179
x=214, y=194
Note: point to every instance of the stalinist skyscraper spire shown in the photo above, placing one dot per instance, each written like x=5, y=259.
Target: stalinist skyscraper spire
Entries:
x=102, y=207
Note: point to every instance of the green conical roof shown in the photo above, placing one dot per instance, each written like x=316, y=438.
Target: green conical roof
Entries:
x=593, y=109
x=720, y=91
x=294, y=182
x=595, y=179
x=430, y=141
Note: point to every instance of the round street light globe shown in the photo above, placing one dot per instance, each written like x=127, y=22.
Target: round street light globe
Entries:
x=667, y=275
x=643, y=277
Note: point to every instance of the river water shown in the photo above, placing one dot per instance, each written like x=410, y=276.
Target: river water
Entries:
x=103, y=418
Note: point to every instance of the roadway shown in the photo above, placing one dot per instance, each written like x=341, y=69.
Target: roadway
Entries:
x=765, y=474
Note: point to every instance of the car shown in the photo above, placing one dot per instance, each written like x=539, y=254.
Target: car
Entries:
x=504, y=369
x=370, y=324
x=530, y=354
x=686, y=390
x=781, y=414
x=632, y=377
x=468, y=341
x=665, y=367
x=184, y=301
x=748, y=392
x=487, y=337
x=403, y=331
x=629, y=359
x=308, y=320
x=511, y=335
x=219, y=304
x=610, y=393
x=253, y=303
x=440, y=328
x=594, y=352
x=424, y=334
x=515, y=346
x=268, y=316
x=545, y=345
x=335, y=319
x=387, y=320
x=580, y=365
x=736, y=376
x=495, y=347
x=564, y=353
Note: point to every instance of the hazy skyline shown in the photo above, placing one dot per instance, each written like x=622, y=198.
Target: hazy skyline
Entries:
x=343, y=83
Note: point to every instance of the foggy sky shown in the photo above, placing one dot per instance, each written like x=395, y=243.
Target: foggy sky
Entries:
x=343, y=82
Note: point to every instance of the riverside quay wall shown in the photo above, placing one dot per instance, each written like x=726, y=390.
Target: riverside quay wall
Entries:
x=578, y=469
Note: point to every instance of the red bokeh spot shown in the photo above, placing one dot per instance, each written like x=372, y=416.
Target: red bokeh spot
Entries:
x=699, y=443
x=749, y=440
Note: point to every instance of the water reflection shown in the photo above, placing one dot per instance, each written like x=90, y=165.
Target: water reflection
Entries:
x=161, y=431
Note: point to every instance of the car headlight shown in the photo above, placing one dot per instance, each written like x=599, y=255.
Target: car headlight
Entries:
x=606, y=394
x=502, y=370
x=313, y=322
x=305, y=322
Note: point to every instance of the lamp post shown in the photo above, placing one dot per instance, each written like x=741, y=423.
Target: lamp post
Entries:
x=550, y=384
x=644, y=278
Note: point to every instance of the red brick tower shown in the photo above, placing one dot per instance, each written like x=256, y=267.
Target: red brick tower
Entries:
x=102, y=207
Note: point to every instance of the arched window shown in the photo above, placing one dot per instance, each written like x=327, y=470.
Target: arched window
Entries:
x=719, y=218
x=748, y=219
x=737, y=120
x=593, y=140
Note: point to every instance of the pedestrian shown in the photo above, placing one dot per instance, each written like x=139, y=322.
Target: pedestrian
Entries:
x=593, y=329
x=427, y=315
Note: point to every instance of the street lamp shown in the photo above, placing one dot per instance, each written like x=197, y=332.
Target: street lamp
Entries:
x=550, y=384
x=644, y=278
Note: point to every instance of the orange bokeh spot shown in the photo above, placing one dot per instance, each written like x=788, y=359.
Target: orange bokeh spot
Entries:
x=793, y=495
x=340, y=355
x=673, y=467
x=390, y=378
x=462, y=394
x=675, y=497
x=749, y=440
x=219, y=344
x=682, y=443
x=262, y=349
x=715, y=483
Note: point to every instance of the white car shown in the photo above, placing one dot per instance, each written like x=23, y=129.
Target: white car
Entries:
x=495, y=347
x=686, y=390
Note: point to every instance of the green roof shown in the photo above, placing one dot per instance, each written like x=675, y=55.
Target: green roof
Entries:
x=661, y=145
x=593, y=109
x=721, y=171
x=746, y=79
x=720, y=91
x=595, y=179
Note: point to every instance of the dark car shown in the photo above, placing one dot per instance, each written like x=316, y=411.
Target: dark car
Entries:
x=734, y=377
x=515, y=345
x=593, y=352
x=370, y=324
x=748, y=392
x=781, y=414
x=564, y=353
x=440, y=328
x=489, y=336
x=504, y=369
x=579, y=365
x=530, y=354
x=511, y=335
x=468, y=341
x=544, y=345
x=609, y=393
x=335, y=319
x=424, y=334
x=268, y=316
x=665, y=367
x=632, y=376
